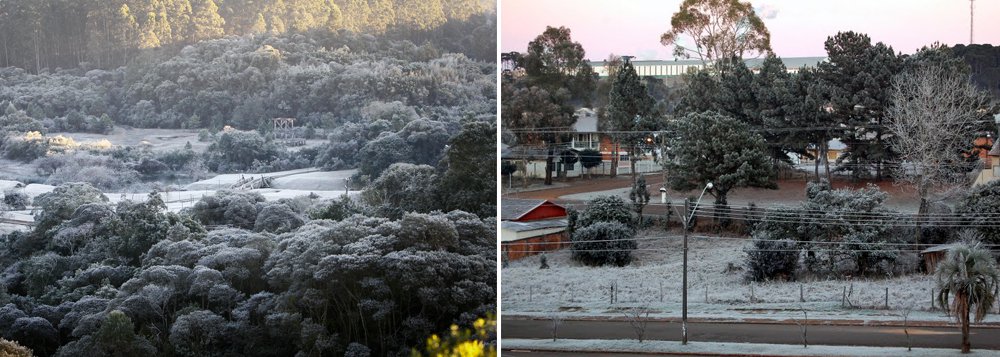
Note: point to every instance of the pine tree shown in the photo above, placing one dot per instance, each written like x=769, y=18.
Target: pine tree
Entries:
x=630, y=109
x=711, y=147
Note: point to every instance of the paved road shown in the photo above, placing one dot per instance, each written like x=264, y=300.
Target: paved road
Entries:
x=932, y=337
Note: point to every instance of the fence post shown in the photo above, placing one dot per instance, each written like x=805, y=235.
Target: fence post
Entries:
x=801, y=295
x=661, y=290
x=887, y=298
x=843, y=298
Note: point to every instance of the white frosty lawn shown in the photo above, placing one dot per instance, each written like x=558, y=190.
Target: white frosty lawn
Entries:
x=723, y=348
x=287, y=184
x=569, y=289
x=301, y=179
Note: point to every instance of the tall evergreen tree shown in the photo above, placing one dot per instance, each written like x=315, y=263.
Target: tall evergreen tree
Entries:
x=629, y=116
x=711, y=147
x=859, y=75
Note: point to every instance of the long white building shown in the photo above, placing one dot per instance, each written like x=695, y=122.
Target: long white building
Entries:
x=673, y=68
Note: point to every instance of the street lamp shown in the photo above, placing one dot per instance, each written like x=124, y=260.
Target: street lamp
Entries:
x=686, y=221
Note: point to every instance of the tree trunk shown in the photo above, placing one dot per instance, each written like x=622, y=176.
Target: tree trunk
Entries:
x=963, y=315
x=614, y=161
x=721, y=207
x=920, y=218
x=631, y=159
x=816, y=164
x=826, y=158
x=549, y=163
x=524, y=175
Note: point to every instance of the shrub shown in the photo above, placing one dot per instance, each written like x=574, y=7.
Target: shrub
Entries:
x=277, y=218
x=770, y=259
x=336, y=209
x=15, y=199
x=980, y=207
x=606, y=209
x=604, y=243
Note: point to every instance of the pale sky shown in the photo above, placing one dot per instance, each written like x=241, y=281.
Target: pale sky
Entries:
x=798, y=27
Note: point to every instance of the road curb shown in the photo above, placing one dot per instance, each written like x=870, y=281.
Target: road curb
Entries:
x=809, y=322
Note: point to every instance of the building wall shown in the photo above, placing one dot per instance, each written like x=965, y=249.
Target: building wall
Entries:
x=535, y=245
x=990, y=172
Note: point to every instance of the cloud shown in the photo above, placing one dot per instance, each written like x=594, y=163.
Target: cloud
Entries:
x=766, y=11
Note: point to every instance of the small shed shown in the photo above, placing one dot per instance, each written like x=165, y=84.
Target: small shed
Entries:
x=522, y=210
x=934, y=255
x=523, y=239
x=530, y=227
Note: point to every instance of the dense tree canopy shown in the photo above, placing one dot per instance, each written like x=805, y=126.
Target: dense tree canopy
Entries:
x=107, y=34
x=135, y=280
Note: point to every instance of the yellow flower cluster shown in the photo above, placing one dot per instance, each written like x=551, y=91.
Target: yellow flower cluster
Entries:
x=463, y=342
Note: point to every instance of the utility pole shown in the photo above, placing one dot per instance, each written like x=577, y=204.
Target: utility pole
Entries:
x=971, y=19
x=686, y=222
x=684, y=279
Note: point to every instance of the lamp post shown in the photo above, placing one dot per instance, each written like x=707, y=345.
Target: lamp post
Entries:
x=686, y=220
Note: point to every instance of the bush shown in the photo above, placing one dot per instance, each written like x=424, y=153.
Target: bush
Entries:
x=337, y=209
x=15, y=199
x=606, y=209
x=277, y=218
x=615, y=244
x=981, y=206
x=770, y=259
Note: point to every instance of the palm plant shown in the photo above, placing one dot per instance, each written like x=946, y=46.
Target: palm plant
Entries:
x=969, y=273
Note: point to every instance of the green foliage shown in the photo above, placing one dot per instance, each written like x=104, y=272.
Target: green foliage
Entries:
x=606, y=209
x=710, y=147
x=336, y=209
x=858, y=76
x=403, y=188
x=117, y=337
x=719, y=28
x=554, y=61
x=614, y=244
x=236, y=151
x=228, y=208
x=590, y=158
x=630, y=108
x=979, y=206
x=770, y=259
x=59, y=205
x=969, y=273
x=15, y=199
x=469, y=181
x=608, y=220
x=277, y=218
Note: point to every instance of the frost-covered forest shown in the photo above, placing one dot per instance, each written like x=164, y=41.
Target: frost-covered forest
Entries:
x=395, y=95
x=150, y=96
x=236, y=275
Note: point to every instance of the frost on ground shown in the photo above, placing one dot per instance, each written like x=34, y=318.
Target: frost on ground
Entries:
x=716, y=291
x=287, y=184
x=723, y=348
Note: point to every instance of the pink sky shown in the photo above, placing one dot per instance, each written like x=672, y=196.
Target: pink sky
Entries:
x=798, y=27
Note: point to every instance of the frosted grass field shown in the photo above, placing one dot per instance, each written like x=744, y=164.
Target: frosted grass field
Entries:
x=569, y=289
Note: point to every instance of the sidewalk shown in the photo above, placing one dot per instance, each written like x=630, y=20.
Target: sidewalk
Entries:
x=721, y=348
